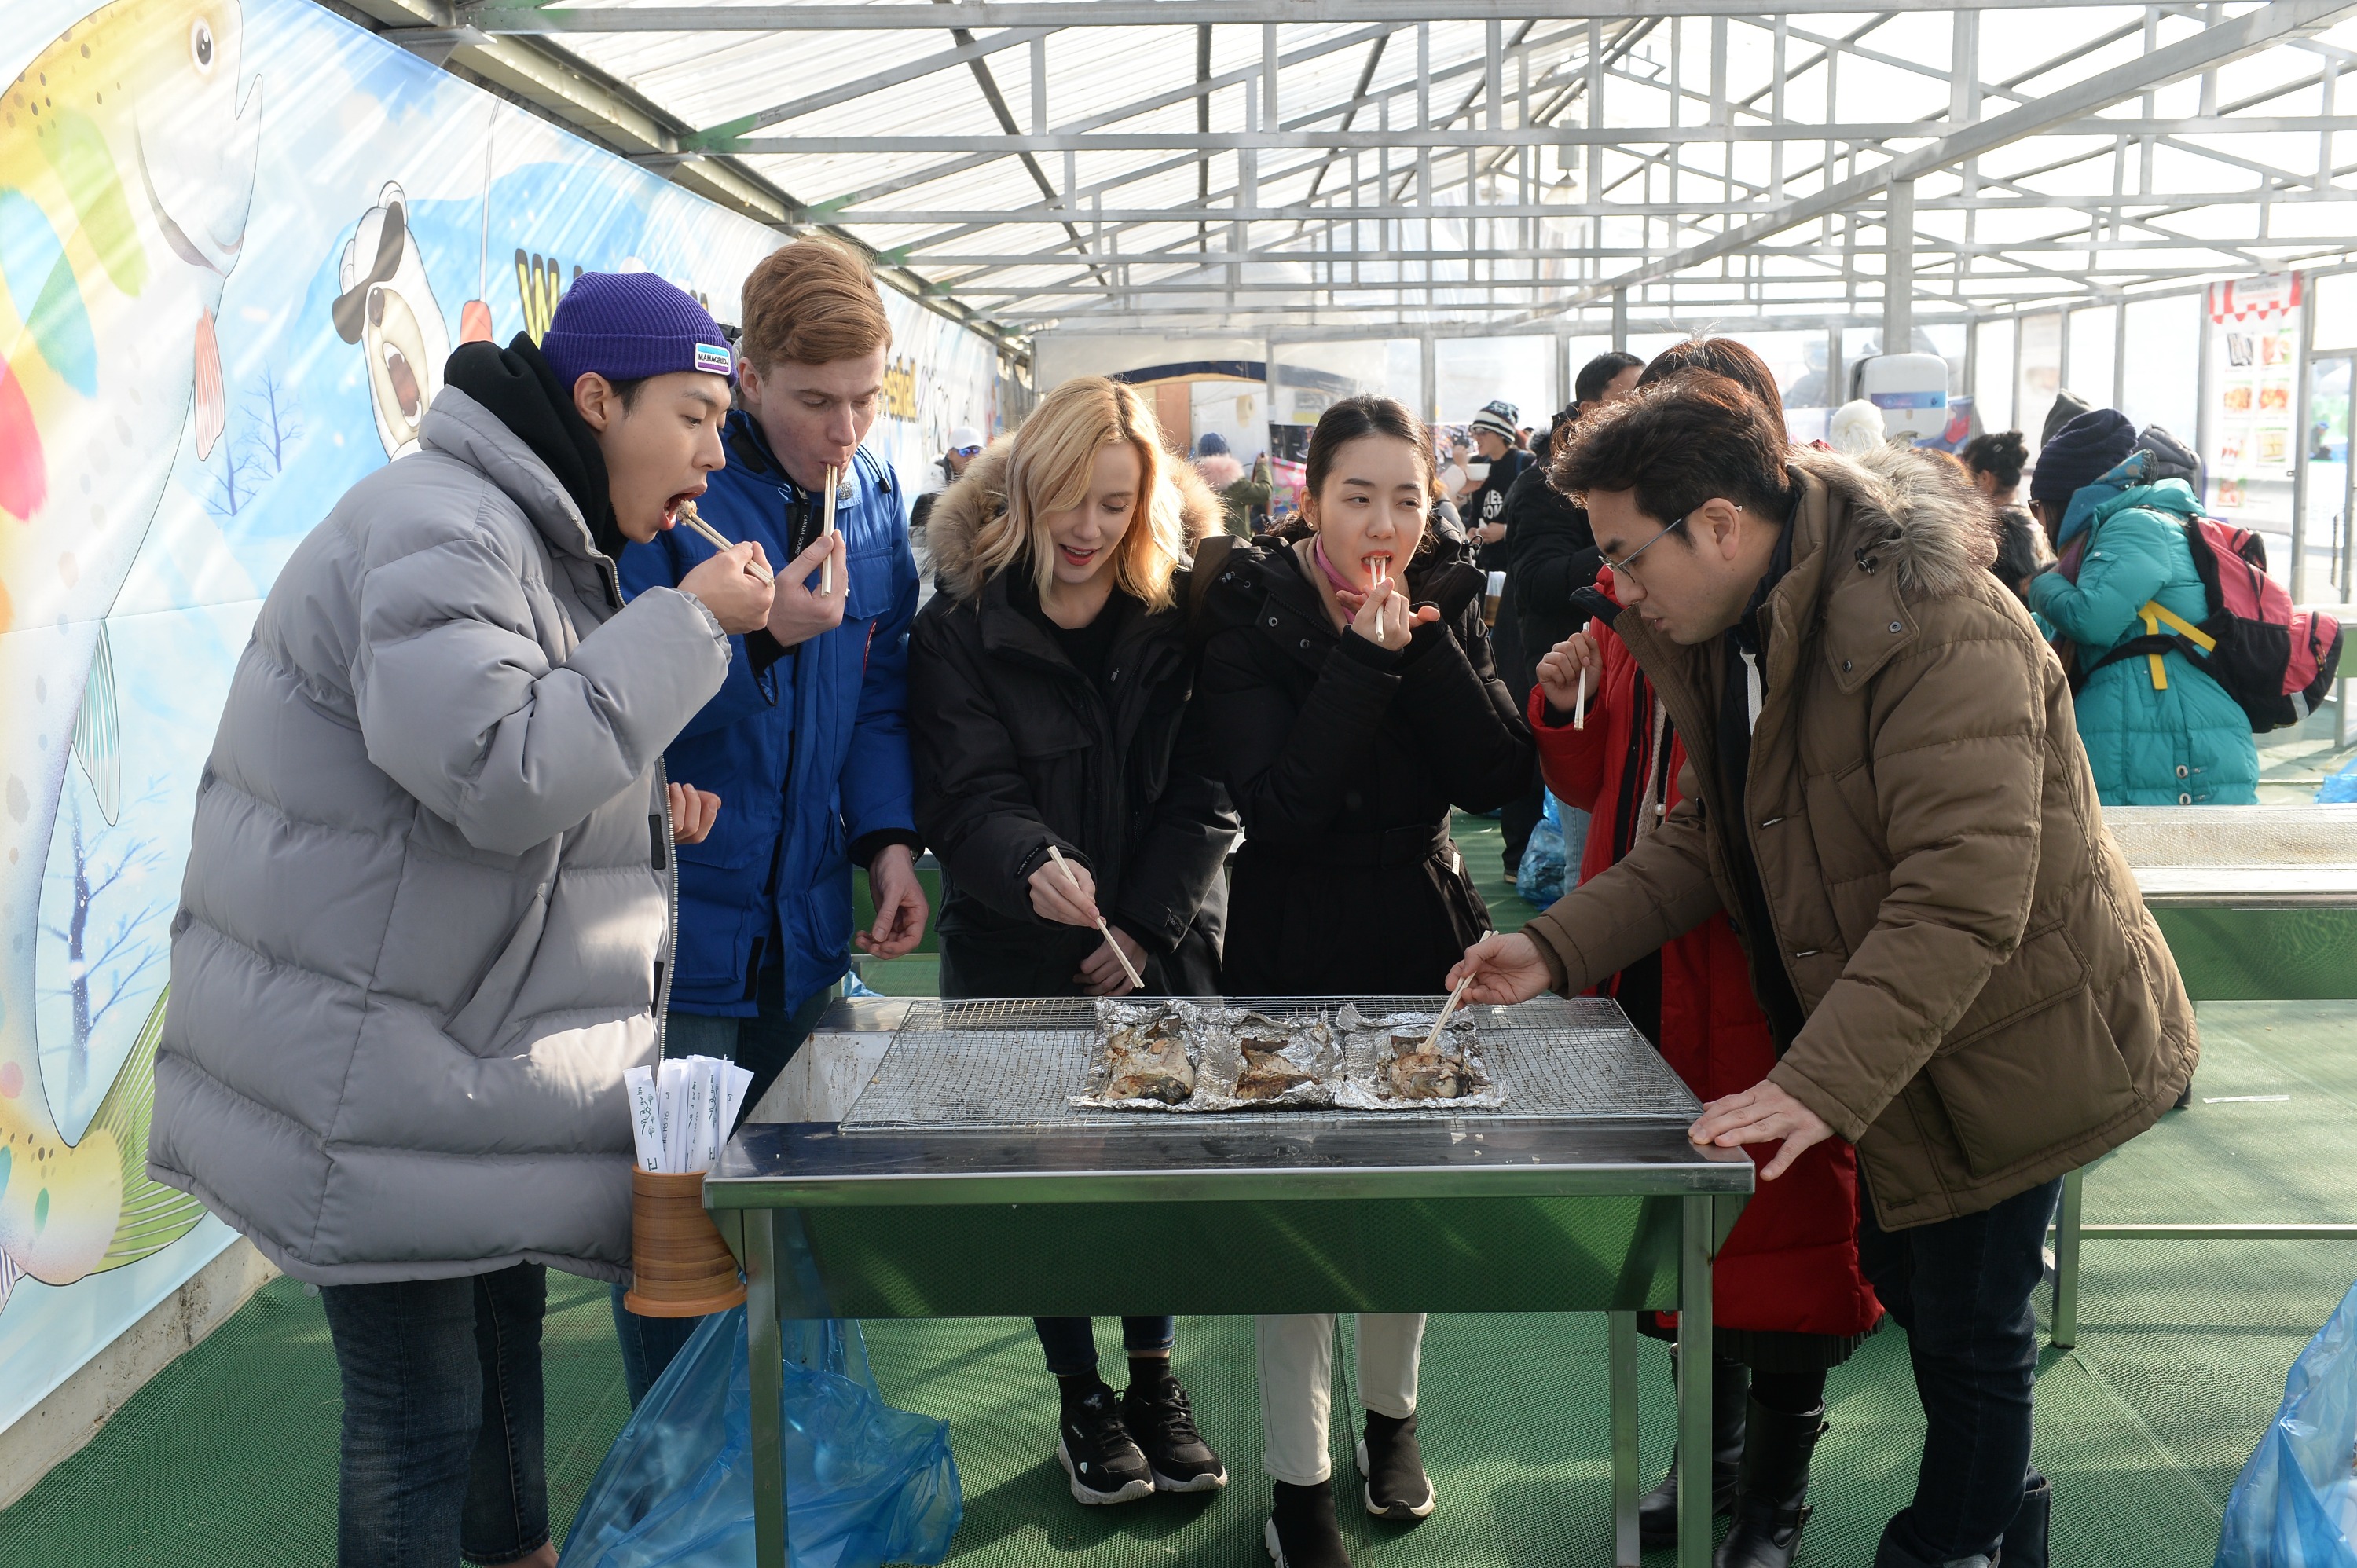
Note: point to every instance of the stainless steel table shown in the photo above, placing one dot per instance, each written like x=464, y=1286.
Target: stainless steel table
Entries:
x=960, y=1184
x=2257, y=903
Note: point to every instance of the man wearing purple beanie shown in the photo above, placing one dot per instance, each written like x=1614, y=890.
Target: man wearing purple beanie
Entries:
x=427, y=918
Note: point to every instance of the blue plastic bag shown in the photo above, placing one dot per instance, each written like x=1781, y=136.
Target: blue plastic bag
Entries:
x=2339, y=789
x=1550, y=863
x=866, y=1484
x=2295, y=1505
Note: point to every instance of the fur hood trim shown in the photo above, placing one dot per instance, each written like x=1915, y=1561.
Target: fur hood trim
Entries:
x=958, y=516
x=1939, y=532
x=1220, y=470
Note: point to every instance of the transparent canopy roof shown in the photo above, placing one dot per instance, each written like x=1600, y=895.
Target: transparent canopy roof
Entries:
x=1192, y=164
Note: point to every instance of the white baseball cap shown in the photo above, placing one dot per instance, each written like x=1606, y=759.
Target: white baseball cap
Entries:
x=963, y=436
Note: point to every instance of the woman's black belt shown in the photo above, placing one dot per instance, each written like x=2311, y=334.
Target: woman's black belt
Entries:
x=1393, y=846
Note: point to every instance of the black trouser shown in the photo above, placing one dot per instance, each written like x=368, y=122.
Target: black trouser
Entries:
x=1962, y=1289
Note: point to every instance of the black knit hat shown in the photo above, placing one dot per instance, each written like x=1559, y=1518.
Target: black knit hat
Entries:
x=2081, y=453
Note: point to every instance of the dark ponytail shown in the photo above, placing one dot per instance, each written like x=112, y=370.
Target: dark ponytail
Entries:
x=2001, y=454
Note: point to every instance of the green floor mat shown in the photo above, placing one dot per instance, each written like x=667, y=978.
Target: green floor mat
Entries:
x=228, y=1457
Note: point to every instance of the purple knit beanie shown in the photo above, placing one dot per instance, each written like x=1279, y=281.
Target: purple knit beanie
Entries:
x=628, y=325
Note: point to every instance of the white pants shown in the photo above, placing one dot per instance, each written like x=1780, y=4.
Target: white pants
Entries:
x=1296, y=1384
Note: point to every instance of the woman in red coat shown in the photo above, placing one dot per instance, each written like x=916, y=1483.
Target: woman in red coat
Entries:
x=1789, y=1303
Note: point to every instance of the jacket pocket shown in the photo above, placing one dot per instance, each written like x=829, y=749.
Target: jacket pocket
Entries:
x=478, y=1022
x=2040, y=1081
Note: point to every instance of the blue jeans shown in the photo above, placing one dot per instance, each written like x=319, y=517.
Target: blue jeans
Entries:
x=764, y=1045
x=443, y=1451
x=1962, y=1289
x=1072, y=1342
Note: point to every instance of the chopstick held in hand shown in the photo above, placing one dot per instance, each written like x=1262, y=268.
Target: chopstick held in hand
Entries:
x=1064, y=865
x=719, y=541
x=1432, y=1039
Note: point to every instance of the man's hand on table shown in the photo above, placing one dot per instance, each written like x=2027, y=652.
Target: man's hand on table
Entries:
x=1763, y=1113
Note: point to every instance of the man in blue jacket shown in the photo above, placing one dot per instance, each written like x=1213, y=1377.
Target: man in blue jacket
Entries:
x=806, y=744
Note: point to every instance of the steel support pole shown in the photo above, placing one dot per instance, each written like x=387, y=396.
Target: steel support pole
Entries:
x=2066, y=1262
x=1620, y=1339
x=2301, y=363
x=1621, y=319
x=765, y=1361
x=1899, y=268
x=1697, y=1244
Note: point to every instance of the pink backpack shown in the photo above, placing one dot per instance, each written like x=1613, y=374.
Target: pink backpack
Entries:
x=2273, y=660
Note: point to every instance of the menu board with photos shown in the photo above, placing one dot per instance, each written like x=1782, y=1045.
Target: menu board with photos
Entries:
x=2254, y=351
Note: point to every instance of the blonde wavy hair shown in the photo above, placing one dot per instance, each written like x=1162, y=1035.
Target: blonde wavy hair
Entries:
x=1051, y=462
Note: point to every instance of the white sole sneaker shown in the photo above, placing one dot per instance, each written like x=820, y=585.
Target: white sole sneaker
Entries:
x=1083, y=1493
x=1367, y=1494
x=1211, y=1482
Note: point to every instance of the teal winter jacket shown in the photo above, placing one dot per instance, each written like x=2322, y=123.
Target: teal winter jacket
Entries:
x=2167, y=738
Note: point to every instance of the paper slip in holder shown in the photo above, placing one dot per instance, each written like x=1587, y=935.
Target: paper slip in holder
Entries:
x=679, y=1266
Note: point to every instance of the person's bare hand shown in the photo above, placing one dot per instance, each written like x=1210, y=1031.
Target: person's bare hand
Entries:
x=1053, y=897
x=1386, y=618
x=900, y=906
x=801, y=612
x=1102, y=975
x=691, y=812
x=1502, y=969
x=1763, y=1113
x=1559, y=671
x=1490, y=532
x=737, y=599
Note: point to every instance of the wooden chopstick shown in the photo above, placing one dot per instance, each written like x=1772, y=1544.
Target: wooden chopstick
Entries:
x=1449, y=1006
x=1135, y=979
x=719, y=541
x=826, y=531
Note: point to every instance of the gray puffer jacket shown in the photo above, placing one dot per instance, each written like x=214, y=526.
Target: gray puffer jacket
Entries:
x=428, y=907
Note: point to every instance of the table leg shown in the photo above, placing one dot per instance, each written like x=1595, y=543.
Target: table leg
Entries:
x=764, y=1355
x=2066, y=1262
x=1620, y=1337
x=1693, y=1383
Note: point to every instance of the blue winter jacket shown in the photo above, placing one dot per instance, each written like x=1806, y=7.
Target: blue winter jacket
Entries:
x=808, y=752
x=2177, y=739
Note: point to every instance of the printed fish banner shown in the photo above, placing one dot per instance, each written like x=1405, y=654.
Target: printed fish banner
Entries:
x=238, y=240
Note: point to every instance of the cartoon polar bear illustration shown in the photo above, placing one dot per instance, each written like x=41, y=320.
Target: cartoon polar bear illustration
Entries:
x=388, y=308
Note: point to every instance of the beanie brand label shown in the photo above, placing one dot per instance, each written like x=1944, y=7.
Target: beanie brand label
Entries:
x=712, y=360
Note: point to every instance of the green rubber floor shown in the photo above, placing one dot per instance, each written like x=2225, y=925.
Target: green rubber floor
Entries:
x=228, y=1457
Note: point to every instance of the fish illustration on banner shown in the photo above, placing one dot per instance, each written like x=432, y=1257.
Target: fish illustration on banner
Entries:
x=127, y=156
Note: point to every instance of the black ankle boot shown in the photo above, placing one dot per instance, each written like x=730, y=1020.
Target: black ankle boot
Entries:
x=1770, y=1504
x=1302, y=1531
x=2025, y=1538
x=1657, y=1514
x=1892, y=1551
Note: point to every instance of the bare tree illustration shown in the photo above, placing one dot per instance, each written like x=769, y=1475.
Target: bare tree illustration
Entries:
x=234, y=483
x=275, y=421
x=106, y=958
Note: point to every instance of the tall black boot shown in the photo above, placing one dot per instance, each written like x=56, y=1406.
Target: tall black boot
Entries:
x=1770, y=1496
x=2025, y=1538
x=1730, y=1391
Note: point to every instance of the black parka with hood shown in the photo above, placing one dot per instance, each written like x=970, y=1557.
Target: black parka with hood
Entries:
x=1016, y=749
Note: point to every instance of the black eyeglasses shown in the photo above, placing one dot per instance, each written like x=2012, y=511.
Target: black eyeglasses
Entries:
x=1623, y=565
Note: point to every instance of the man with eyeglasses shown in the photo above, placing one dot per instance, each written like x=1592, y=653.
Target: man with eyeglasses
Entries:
x=1886, y=793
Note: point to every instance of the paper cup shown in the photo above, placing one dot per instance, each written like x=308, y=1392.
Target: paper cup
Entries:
x=679, y=1266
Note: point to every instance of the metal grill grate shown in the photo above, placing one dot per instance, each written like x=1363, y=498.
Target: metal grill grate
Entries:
x=1014, y=1063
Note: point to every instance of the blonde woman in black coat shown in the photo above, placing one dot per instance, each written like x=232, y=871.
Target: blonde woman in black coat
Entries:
x=1047, y=706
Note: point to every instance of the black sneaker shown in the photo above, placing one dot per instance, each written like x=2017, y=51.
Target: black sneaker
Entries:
x=1393, y=1465
x=1155, y=1411
x=1096, y=1451
x=1302, y=1531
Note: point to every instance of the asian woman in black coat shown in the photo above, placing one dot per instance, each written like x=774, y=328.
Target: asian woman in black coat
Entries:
x=1049, y=687
x=1347, y=684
